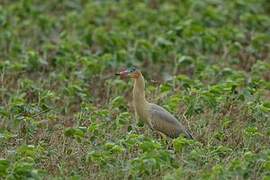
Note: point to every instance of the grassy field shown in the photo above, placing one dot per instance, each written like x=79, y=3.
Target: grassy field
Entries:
x=63, y=113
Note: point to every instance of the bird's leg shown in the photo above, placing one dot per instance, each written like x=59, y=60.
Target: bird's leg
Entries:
x=170, y=145
x=163, y=138
x=159, y=135
x=165, y=141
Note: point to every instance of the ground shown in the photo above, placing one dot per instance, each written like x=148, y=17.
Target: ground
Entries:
x=63, y=113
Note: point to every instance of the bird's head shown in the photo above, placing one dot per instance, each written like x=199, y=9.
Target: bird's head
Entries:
x=131, y=72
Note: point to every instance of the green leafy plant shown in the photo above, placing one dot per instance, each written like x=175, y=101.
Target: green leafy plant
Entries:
x=63, y=113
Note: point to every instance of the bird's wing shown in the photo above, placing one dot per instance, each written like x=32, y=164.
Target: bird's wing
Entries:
x=166, y=123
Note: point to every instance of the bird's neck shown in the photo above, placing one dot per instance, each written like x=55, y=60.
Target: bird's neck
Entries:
x=138, y=91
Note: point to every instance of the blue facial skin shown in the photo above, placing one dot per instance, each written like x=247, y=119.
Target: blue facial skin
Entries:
x=131, y=69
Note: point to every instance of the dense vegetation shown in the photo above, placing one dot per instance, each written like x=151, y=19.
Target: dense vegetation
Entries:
x=64, y=113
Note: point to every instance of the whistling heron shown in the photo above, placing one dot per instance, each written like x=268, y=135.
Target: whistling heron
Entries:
x=156, y=117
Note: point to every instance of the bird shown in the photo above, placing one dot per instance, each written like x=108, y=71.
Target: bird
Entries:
x=155, y=116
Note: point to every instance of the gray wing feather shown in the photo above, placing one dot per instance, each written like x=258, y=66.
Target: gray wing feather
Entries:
x=166, y=123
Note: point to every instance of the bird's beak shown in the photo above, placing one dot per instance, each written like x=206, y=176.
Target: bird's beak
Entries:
x=123, y=74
